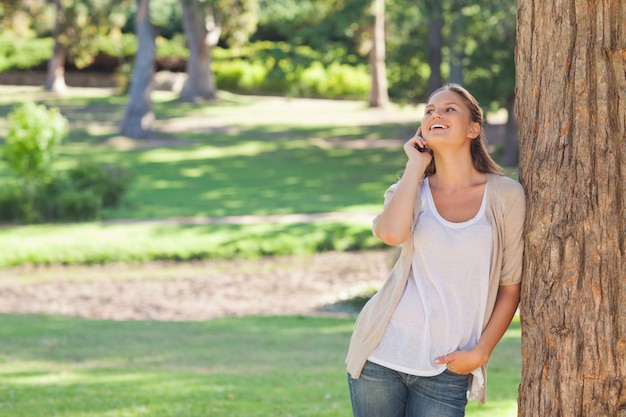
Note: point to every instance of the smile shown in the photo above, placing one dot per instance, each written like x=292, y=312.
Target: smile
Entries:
x=438, y=126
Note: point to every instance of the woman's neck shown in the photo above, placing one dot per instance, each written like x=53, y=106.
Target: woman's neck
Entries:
x=455, y=173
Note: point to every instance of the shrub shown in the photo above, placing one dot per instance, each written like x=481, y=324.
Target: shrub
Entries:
x=33, y=137
x=79, y=205
x=108, y=182
x=19, y=54
x=78, y=195
x=13, y=204
x=34, y=133
x=277, y=68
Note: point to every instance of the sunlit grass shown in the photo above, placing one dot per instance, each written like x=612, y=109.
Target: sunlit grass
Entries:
x=92, y=243
x=252, y=366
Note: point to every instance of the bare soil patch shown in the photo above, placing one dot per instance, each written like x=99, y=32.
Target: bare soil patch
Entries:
x=294, y=285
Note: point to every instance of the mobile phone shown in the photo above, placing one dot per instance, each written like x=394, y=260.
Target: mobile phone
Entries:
x=421, y=149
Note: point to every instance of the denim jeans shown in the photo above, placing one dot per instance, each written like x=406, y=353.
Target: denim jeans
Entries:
x=383, y=392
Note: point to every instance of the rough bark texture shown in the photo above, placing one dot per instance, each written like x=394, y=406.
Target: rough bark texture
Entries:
x=571, y=95
x=379, y=95
x=138, y=116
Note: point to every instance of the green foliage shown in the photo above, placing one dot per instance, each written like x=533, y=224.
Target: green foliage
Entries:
x=78, y=196
x=281, y=69
x=19, y=54
x=75, y=205
x=108, y=182
x=13, y=203
x=81, y=23
x=34, y=133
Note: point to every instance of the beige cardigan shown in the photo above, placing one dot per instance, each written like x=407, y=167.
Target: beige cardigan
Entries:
x=505, y=212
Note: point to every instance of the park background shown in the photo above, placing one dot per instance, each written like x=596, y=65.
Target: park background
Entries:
x=226, y=279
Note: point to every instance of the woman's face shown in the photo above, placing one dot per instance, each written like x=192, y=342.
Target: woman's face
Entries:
x=447, y=121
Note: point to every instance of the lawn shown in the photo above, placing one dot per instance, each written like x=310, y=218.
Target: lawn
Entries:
x=235, y=367
x=240, y=156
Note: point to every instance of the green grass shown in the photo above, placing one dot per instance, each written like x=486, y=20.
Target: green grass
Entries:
x=256, y=157
x=93, y=243
x=250, y=163
x=243, y=165
x=252, y=366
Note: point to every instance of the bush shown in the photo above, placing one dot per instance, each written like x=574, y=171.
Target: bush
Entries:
x=33, y=137
x=13, y=204
x=281, y=69
x=79, y=205
x=109, y=182
x=34, y=133
x=19, y=54
x=78, y=195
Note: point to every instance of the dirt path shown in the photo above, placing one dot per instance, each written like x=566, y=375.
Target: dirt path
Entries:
x=307, y=285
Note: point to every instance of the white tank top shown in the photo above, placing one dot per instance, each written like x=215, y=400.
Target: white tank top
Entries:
x=443, y=305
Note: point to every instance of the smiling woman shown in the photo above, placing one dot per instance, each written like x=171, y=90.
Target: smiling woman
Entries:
x=455, y=287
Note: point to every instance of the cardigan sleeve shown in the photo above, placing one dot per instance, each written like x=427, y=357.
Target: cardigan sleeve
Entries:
x=514, y=211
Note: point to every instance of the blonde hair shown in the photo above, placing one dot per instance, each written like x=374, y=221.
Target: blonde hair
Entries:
x=481, y=158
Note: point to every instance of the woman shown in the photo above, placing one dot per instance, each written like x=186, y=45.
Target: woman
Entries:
x=421, y=344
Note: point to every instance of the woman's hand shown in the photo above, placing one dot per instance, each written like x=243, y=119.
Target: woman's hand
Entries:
x=415, y=148
x=463, y=362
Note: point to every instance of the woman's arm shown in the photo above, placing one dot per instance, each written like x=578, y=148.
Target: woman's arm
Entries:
x=464, y=362
x=393, y=225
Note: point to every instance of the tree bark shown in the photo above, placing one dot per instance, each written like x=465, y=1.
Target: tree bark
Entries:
x=379, y=95
x=138, y=116
x=203, y=32
x=571, y=109
x=55, y=75
x=435, y=44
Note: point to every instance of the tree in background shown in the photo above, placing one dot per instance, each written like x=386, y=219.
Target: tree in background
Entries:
x=205, y=22
x=379, y=94
x=17, y=17
x=78, y=25
x=435, y=43
x=138, y=116
x=571, y=80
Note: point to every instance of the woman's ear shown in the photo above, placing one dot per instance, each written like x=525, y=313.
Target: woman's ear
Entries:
x=474, y=130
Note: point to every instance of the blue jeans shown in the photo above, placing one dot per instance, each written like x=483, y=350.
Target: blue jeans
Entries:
x=383, y=392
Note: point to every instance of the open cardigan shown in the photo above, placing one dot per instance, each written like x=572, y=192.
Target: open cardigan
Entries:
x=505, y=212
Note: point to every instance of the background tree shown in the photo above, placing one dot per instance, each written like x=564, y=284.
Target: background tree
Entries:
x=205, y=22
x=571, y=79
x=78, y=26
x=18, y=17
x=138, y=116
x=379, y=95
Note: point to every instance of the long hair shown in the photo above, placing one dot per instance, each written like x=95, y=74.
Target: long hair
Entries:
x=481, y=159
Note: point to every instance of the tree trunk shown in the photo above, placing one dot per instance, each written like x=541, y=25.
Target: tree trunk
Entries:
x=138, y=116
x=55, y=75
x=456, y=49
x=571, y=107
x=435, y=44
x=379, y=95
x=510, y=156
x=203, y=33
